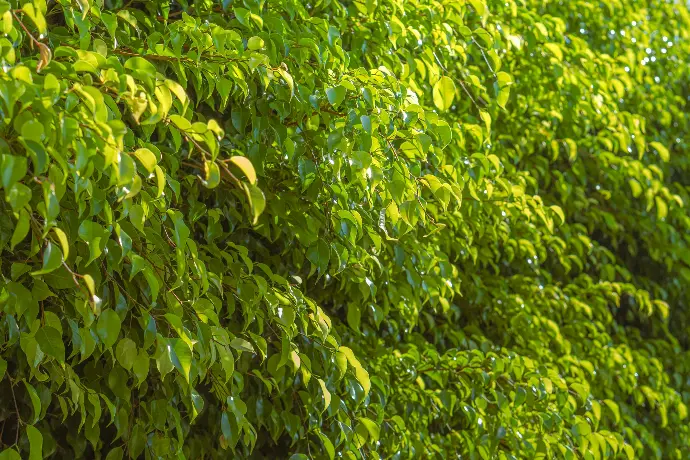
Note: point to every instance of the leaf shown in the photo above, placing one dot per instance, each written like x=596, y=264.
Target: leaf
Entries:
x=35, y=16
x=14, y=168
x=246, y=167
x=289, y=80
x=126, y=353
x=35, y=443
x=90, y=284
x=661, y=150
x=52, y=259
x=555, y=49
x=371, y=427
x=116, y=453
x=328, y=446
x=559, y=212
x=141, y=67
x=160, y=181
x=108, y=328
x=35, y=401
x=257, y=201
x=46, y=55
x=21, y=229
x=212, y=174
x=64, y=242
x=10, y=454
x=341, y=363
x=140, y=366
x=180, y=356
x=84, y=5
x=18, y=197
x=613, y=407
x=336, y=95
x=520, y=397
x=50, y=341
x=255, y=43
x=326, y=394
x=444, y=93
x=478, y=6
x=227, y=361
x=147, y=159
x=502, y=87
x=635, y=187
x=241, y=344
x=661, y=207
x=629, y=451
x=362, y=377
x=319, y=254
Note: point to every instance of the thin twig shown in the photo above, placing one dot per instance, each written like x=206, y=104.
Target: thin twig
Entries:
x=16, y=408
x=33, y=39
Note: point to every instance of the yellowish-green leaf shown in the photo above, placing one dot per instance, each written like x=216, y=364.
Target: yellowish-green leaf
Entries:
x=444, y=93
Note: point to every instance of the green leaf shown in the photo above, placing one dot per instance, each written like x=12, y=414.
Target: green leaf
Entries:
x=147, y=159
x=661, y=207
x=180, y=356
x=18, y=196
x=241, y=344
x=444, y=93
x=50, y=341
x=662, y=150
x=362, y=377
x=52, y=259
x=371, y=427
x=478, y=6
x=520, y=396
x=21, y=229
x=212, y=174
x=140, y=366
x=35, y=401
x=581, y=428
x=613, y=407
x=319, y=254
x=629, y=451
x=257, y=201
x=108, y=327
x=13, y=169
x=36, y=16
x=35, y=443
x=126, y=353
x=84, y=5
x=559, y=212
x=336, y=95
x=328, y=446
x=246, y=167
x=115, y=454
x=227, y=361
x=326, y=394
x=64, y=242
x=141, y=67
x=502, y=87
x=255, y=43
x=10, y=454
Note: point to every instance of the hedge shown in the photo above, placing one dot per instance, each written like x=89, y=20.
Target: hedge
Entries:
x=344, y=228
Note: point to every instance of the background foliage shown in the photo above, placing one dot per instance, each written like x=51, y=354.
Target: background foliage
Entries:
x=368, y=228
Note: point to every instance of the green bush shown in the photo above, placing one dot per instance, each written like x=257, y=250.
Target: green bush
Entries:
x=352, y=228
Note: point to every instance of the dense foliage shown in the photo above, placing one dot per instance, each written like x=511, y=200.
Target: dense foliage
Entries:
x=352, y=228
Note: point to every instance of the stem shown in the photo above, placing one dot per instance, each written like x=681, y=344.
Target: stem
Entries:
x=33, y=39
x=16, y=409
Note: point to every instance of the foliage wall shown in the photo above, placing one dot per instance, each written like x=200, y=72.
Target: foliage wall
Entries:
x=353, y=229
